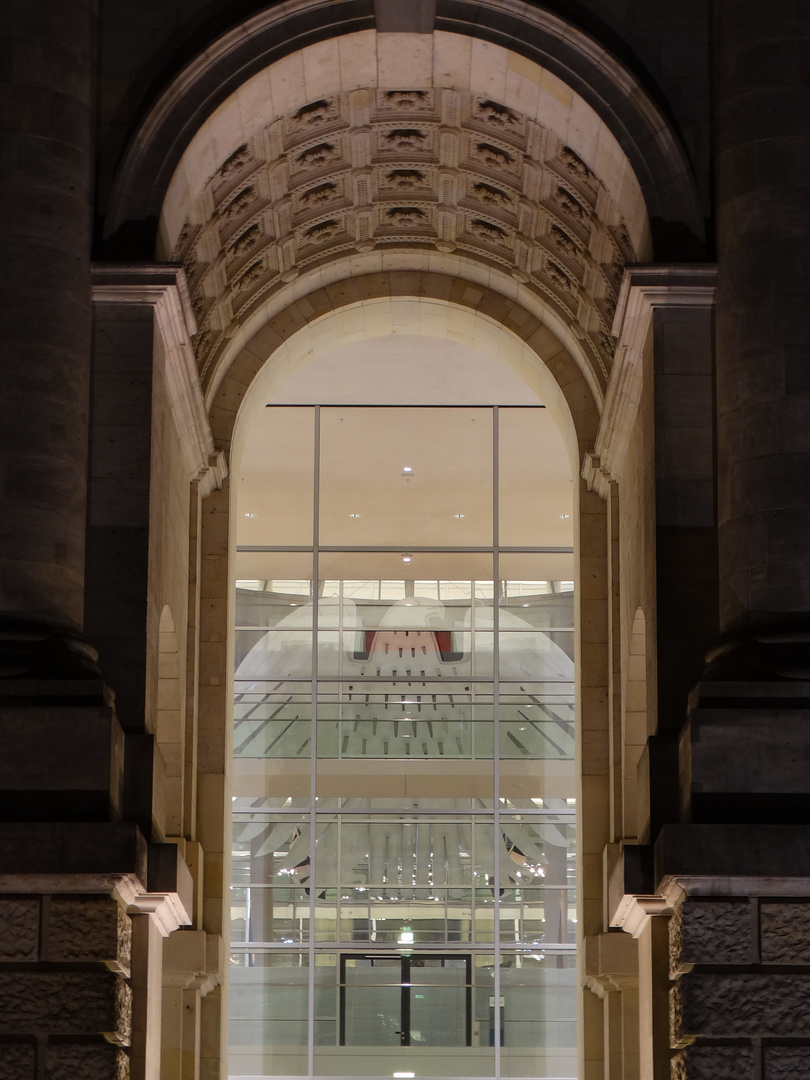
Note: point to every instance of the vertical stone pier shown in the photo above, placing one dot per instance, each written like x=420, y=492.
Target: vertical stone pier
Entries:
x=740, y=968
x=763, y=334
x=46, y=175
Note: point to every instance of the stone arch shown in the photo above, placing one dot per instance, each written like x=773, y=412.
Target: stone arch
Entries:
x=491, y=306
x=616, y=94
x=635, y=719
x=168, y=783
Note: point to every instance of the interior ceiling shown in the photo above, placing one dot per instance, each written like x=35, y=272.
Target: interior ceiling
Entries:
x=425, y=166
x=365, y=498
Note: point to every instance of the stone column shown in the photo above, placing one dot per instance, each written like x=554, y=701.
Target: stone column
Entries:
x=763, y=334
x=46, y=170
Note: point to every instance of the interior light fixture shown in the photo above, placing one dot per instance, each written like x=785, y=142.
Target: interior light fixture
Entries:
x=250, y=515
x=564, y=517
x=407, y=469
x=404, y=1074
x=354, y=515
x=405, y=938
x=406, y=559
x=459, y=516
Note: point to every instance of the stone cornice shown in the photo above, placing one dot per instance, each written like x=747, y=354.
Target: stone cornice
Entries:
x=164, y=288
x=643, y=290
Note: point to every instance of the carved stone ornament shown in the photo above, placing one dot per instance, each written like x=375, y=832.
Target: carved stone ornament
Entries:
x=485, y=230
x=323, y=193
x=563, y=241
x=235, y=163
x=321, y=233
x=406, y=179
x=571, y=205
x=316, y=112
x=493, y=156
x=406, y=215
x=423, y=145
x=317, y=155
x=250, y=276
x=249, y=239
x=496, y=113
x=407, y=99
x=238, y=205
x=404, y=139
x=19, y=928
x=557, y=276
x=575, y=165
x=490, y=195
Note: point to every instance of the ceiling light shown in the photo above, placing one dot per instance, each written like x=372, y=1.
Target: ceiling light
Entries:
x=406, y=559
x=250, y=515
x=564, y=517
x=405, y=938
x=407, y=469
x=354, y=515
x=404, y=1074
x=459, y=516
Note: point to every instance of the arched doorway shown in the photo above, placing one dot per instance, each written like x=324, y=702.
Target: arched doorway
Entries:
x=404, y=784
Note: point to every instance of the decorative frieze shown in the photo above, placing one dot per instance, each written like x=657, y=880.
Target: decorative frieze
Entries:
x=513, y=189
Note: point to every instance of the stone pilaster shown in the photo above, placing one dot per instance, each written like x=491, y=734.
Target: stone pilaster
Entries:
x=46, y=171
x=763, y=334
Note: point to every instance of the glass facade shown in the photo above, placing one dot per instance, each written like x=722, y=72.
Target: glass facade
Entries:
x=403, y=896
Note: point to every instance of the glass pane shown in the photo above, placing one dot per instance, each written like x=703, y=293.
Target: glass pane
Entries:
x=406, y=476
x=268, y=1009
x=535, y=480
x=538, y=1014
x=274, y=495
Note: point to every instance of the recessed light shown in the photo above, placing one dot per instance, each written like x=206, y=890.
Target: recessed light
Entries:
x=459, y=516
x=406, y=558
x=354, y=515
x=564, y=517
x=250, y=515
x=407, y=469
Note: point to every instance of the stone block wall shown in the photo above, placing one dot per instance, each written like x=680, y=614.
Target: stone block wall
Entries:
x=65, y=1000
x=740, y=997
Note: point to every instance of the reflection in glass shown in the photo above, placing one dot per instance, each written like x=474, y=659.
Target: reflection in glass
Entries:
x=403, y=893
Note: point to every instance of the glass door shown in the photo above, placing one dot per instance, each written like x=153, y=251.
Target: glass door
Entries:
x=405, y=1000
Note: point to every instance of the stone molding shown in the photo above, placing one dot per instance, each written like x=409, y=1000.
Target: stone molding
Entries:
x=425, y=169
x=193, y=960
x=643, y=290
x=548, y=40
x=610, y=963
x=165, y=290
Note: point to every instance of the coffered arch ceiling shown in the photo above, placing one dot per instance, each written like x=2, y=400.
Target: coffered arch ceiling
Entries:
x=371, y=148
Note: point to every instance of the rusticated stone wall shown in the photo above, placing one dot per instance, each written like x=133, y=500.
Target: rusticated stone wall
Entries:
x=740, y=1000
x=65, y=1003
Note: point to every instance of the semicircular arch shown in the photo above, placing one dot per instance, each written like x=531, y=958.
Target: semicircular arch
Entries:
x=483, y=317
x=617, y=95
